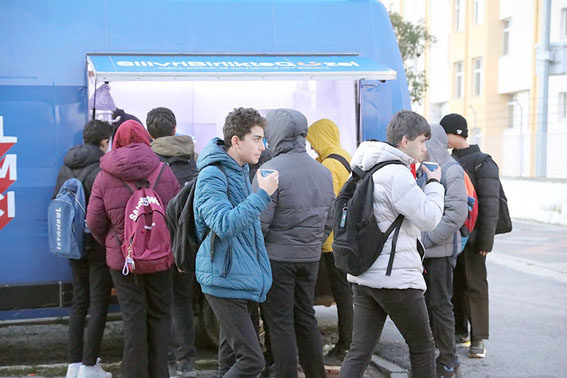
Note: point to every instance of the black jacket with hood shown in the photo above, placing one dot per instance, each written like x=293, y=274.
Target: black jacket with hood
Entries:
x=80, y=162
x=483, y=172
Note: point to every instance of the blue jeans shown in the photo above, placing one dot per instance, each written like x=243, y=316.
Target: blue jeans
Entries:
x=407, y=310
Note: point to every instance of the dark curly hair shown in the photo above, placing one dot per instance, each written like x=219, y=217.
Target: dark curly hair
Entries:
x=95, y=131
x=160, y=122
x=239, y=122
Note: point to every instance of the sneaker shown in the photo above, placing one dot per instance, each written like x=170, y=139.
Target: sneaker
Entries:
x=73, y=370
x=172, y=369
x=477, y=349
x=335, y=356
x=185, y=368
x=462, y=340
x=95, y=371
x=444, y=371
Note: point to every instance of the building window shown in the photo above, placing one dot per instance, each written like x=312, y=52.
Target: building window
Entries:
x=459, y=80
x=506, y=36
x=478, y=10
x=477, y=76
x=562, y=111
x=459, y=15
x=563, y=32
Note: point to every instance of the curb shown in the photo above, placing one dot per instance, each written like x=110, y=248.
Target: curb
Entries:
x=387, y=367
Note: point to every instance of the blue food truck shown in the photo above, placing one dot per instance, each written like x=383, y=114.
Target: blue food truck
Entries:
x=63, y=62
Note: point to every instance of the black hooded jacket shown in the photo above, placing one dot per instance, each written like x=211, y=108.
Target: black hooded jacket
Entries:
x=80, y=162
x=483, y=172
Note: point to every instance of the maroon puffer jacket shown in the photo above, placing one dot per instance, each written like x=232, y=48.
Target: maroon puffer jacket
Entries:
x=105, y=212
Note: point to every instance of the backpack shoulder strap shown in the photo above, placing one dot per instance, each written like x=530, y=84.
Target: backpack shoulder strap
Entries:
x=341, y=159
x=158, y=175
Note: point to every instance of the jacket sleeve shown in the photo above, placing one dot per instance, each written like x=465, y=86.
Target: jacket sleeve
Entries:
x=213, y=206
x=488, y=192
x=423, y=208
x=97, y=220
x=456, y=209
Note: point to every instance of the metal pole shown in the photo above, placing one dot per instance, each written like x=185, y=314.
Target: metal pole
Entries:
x=544, y=59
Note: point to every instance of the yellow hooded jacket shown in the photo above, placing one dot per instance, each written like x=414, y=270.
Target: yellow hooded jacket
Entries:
x=324, y=138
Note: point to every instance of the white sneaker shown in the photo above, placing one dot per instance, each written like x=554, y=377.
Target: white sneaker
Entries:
x=95, y=371
x=73, y=370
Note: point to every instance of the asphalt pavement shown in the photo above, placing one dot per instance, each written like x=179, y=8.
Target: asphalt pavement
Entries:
x=527, y=276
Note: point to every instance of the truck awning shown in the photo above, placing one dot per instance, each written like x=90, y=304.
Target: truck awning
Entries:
x=235, y=67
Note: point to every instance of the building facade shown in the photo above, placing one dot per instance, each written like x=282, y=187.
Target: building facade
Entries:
x=483, y=65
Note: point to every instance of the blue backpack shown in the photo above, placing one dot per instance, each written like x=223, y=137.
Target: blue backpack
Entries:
x=66, y=220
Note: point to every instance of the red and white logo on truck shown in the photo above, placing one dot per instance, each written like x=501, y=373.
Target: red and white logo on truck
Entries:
x=8, y=175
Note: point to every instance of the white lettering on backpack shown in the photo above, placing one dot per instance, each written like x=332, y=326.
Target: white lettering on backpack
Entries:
x=144, y=201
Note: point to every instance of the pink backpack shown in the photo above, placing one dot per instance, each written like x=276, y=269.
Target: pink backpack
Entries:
x=147, y=246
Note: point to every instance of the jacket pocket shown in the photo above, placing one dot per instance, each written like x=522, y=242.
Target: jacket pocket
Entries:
x=227, y=262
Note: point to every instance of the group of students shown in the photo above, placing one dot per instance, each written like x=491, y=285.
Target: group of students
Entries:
x=261, y=240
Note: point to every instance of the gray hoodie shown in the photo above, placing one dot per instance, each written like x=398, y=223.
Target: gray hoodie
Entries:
x=298, y=219
x=440, y=242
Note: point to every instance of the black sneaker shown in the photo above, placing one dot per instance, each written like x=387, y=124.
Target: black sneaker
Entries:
x=185, y=369
x=335, y=356
x=462, y=340
x=477, y=349
x=444, y=371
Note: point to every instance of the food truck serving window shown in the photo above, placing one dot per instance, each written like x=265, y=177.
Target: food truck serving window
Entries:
x=227, y=67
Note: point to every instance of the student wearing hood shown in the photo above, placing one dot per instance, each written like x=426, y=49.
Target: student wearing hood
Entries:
x=295, y=224
x=145, y=299
x=325, y=140
x=442, y=245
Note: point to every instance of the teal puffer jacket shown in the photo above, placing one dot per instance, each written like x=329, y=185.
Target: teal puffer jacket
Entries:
x=239, y=267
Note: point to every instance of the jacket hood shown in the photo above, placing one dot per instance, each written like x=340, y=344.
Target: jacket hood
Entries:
x=370, y=153
x=179, y=145
x=130, y=132
x=324, y=136
x=214, y=153
x=437, y=145
x=133, y=162
x=286, y=131
x=82, y=155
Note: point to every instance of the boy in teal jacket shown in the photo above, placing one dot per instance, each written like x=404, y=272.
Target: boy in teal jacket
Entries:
x=236, y=274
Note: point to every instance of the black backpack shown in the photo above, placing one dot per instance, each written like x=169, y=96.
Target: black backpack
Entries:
x=181, y=224
x=358, y=240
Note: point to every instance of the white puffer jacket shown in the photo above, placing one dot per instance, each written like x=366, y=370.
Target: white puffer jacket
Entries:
x=396, y=192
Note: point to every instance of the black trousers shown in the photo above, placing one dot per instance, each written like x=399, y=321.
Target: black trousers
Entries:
x=290, y=316
x=182, y=335
x=470, y=294
x=439, y=280
x=408, y=311
x=240, y=354
x=342, y=292
x=145, y=301
x=91, y=292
